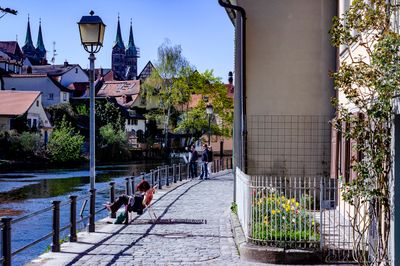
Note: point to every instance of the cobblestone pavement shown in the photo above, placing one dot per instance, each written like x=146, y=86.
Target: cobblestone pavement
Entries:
x=209, y=243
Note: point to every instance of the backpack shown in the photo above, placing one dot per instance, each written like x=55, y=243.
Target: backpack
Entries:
x=120, y=218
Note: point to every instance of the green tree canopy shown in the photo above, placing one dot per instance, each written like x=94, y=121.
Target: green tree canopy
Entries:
x=64, y=143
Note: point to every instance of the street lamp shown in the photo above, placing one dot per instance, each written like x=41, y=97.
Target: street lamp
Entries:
x=209, y=111
x=91, y=29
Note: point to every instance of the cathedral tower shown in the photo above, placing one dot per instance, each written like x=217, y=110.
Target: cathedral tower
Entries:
x=28, y=48
x=131, y=56
x=40, y=49
x=118, y=56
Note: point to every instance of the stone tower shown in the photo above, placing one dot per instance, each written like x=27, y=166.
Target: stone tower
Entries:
x=118, y=56
x=131, y=56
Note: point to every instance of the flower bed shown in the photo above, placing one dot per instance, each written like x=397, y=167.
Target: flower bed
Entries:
x=283, y=222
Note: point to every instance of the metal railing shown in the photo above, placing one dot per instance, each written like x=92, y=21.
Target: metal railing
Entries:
x=300, y=213
x=162, y=176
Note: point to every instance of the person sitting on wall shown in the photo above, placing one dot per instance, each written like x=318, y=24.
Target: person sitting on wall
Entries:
x=141, y=199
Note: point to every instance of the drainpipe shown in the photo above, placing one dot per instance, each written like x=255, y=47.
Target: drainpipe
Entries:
x=242, y=107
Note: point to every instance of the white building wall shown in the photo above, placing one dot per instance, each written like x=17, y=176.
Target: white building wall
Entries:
x=141, y=125
x=76, y=74
x=50, y=92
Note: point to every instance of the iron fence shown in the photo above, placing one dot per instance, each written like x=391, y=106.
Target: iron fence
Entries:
x=162, y=176
x=301, y=213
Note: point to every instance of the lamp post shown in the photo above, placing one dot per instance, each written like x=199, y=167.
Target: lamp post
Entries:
x=209, y=111
x=91, y=29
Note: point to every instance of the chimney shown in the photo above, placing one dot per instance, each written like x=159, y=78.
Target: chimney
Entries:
x=230, y=77
x=29, y=70
x=65, y=63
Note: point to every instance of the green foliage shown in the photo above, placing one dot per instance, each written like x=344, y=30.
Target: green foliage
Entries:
x=17, y=146
x=195, y=120
x=234, y=208
x=64, y=144
x=369, y=82
x=30, y=142
x=111, y=136
x=82, y=109
x=114, y=144
x=108, y=113
x=60, y=112
x=279, y=218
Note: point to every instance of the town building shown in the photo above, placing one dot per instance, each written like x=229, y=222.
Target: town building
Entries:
x=52, y=91
x=282, y=106
x=16, y=104
x=11, y=57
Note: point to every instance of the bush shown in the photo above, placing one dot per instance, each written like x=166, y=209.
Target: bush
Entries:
x=19, y=146
x=114, y=144
x=64, y=144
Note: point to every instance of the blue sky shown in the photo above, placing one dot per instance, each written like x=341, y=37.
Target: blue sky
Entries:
x=201, y=27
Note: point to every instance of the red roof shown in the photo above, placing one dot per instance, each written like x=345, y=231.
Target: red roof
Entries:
x=14, y=103
x=10, y=47
x=119, y=88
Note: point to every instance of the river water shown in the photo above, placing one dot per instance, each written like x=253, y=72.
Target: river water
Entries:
x=23, y=192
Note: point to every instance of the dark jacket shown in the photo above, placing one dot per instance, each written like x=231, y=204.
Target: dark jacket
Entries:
x=204, y=156
x=195, y=156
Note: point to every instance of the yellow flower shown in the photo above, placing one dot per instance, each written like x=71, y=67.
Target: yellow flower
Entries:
x=273, y=211
x=297, y=204
x=293, y=200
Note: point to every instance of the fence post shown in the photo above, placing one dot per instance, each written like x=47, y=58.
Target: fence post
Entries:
x=132, y=185
x=6, y=241
x=179, y=172
x=92, y=210
x=127, y=186
x=152, y=178
x=72, y=232
x=55, y=246
x=167, y=175
x=159, y=177
x=231, y=162
x=321, y=212
x=112, y=197
x=174, y=173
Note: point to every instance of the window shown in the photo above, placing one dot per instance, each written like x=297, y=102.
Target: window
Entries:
x=37, y=103
x=65, y=96
x=51, y=96
x=76, y=70
x=34, y=124
x=29, y=122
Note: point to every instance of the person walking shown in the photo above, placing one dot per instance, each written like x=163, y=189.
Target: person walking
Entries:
x=204, y=163
x=194, y=156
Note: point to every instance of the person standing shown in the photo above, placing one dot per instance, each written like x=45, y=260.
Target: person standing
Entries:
x=204, y=163
x=194, y=156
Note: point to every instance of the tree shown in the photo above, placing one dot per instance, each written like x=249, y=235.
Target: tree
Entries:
x=114, y=144
x=161, y=83
x=214, y=91
x=64, y=144
x=108, y=113
x=368, y=80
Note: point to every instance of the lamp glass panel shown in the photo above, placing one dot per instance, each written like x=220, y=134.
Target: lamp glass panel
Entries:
x=101, y=36
x=89, y=33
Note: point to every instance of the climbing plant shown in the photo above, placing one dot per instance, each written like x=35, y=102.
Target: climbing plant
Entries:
x=367, y=82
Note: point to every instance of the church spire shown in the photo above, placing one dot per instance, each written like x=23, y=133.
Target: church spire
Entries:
x=131, y=45
x=28, y=38
x=40, y=49
x=40, y=44
x=118, y=40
